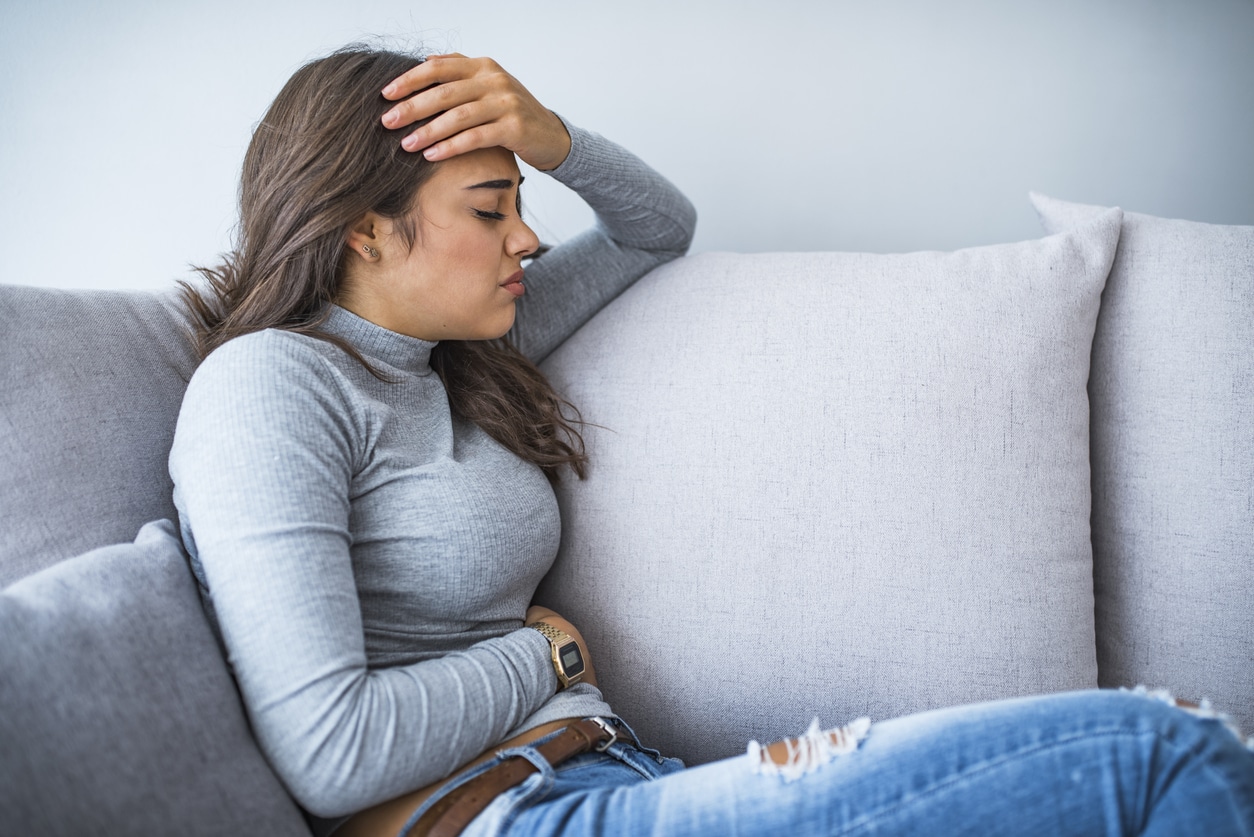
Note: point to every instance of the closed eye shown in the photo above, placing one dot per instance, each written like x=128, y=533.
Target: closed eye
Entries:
x=490, y=216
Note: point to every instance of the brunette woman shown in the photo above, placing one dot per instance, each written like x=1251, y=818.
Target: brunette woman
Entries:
x=363, y=469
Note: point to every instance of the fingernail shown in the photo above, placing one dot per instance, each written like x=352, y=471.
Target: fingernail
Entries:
x=431, y=153
x=410, y=143
x=390, y=90
x=391, y=118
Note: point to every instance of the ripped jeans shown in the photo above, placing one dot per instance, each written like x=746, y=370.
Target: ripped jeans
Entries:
x=1099, y=762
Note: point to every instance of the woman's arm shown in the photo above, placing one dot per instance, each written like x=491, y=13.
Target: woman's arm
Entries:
x=267, y=443
x=642, y=219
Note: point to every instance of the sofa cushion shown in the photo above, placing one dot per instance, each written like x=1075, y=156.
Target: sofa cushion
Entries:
x=119, y=714
x=834, y=484
x=1172, y=395
x=90, y=388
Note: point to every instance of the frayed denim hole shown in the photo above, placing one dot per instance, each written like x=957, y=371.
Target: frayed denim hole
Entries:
x=813, y=749
x=1203, y=710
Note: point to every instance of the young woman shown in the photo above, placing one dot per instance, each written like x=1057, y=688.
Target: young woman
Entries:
x=362, y=469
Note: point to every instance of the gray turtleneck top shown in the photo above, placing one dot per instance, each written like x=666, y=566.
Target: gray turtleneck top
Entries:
x=366, y=556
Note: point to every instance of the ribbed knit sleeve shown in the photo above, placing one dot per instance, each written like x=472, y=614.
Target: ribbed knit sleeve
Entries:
x=268, y=440
x=642, y=221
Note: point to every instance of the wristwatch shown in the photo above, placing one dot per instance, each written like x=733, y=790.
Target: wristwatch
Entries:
x=567, y=657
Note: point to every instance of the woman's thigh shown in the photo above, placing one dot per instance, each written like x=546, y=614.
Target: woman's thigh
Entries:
x=1082, y=763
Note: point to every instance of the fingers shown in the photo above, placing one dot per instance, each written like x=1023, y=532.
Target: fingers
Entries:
x=441, y=83
x=461, y=104
x=432, y=100
x=487, y=118
x=436, y=69
x=473, y=103
x=463, y=129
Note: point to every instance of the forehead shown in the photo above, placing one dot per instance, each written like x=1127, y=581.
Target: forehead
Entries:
x=479, y=166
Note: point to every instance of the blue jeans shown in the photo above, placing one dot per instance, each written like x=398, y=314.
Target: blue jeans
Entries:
x=1081, y=763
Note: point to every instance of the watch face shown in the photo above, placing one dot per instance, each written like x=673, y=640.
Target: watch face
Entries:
x=572, y=659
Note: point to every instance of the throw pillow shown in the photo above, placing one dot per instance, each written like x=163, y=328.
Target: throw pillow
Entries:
x=1172, y=394
x=119, y=715
x=834, y=484
x=90, y=389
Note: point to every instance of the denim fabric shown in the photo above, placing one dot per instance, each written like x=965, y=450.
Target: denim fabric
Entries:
x=1080, y=763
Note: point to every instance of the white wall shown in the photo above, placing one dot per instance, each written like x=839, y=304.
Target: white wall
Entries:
x=887, y=126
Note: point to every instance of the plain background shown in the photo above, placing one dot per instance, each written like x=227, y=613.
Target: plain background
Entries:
x=883, y=126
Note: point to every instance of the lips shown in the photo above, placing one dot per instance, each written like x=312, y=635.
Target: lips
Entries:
x=514, y=284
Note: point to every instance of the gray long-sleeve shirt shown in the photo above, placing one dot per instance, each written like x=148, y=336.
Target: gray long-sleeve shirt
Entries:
x=366, y=556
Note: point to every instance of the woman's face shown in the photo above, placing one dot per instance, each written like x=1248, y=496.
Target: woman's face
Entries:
x=461, y=278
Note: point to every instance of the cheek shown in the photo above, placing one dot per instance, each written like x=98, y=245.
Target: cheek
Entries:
x=473, y=260
x=458, y=264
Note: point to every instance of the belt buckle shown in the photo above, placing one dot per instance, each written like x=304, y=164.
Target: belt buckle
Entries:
x=609, y=729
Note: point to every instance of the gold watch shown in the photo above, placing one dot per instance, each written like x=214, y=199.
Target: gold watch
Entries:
x=567, y=656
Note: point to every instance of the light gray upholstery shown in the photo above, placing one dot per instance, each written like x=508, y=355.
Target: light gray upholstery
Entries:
x=118, y=714
x=90, y=386
x=824, y=483
x=1173, y=457
x=834, y=484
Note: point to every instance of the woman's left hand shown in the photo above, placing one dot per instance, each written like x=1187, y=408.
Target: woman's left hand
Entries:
x=479, y=106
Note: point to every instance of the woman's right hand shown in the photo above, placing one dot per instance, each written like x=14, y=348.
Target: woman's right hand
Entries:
x=535, y=613
x=476, y=104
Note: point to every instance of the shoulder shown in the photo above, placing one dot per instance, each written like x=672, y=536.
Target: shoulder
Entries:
x=270, y=360
x=268, y=374
x=261, y=351
x=264, y=397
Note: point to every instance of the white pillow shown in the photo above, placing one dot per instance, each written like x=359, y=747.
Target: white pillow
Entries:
x=834, y=484
x=1172, y=393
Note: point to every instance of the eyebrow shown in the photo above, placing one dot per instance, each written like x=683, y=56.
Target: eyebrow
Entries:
x=497, y=184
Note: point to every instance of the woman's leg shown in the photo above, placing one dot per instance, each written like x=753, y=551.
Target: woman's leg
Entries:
x=1091, y=763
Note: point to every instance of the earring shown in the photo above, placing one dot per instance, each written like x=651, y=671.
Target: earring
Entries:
x=370, y=251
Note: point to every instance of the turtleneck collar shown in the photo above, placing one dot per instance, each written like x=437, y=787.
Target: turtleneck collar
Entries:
x=399, y=351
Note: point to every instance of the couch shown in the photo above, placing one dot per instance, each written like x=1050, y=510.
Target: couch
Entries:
x=822, y=484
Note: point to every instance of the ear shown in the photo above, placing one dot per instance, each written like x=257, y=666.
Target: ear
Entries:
x=365, y=238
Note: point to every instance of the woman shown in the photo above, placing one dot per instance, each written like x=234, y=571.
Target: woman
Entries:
x=362, y=470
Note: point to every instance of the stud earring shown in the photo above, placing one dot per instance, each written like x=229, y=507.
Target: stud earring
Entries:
x=370, y=251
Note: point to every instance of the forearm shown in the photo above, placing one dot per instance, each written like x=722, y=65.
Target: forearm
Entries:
x=358, y=737
x=635, y=205
x=643, y=221
x=341, y=735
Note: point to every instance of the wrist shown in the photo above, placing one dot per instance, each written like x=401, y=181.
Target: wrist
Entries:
x=559, y=148
x=565, y=653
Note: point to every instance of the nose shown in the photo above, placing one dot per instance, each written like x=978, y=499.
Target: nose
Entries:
x=522, y=240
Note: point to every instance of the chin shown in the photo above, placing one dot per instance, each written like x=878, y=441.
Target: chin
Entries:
x=501, y=328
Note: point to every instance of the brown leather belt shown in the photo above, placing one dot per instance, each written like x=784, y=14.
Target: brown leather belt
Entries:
x=453, y=812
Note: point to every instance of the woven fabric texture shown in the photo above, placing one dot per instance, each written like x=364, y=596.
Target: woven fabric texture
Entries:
x=1172, y=397
x=834, y=484
x=119, y=714
x=90, y=385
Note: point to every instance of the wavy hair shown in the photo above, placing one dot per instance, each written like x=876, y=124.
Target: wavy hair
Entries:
x=318, y=161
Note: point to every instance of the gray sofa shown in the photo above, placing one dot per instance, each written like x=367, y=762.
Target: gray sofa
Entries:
x=823, y=484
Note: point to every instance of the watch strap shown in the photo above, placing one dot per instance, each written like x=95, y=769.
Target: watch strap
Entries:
x=550, y=633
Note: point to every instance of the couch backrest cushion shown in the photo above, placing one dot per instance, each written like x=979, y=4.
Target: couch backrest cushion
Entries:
x=119, y=715
x=1172, y=394
x=834, y=484
x=90, y=386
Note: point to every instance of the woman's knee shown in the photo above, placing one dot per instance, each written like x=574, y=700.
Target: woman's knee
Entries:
x=1159, y=712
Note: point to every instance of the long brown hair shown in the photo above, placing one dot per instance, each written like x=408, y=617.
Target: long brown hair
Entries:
x=319, y=160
